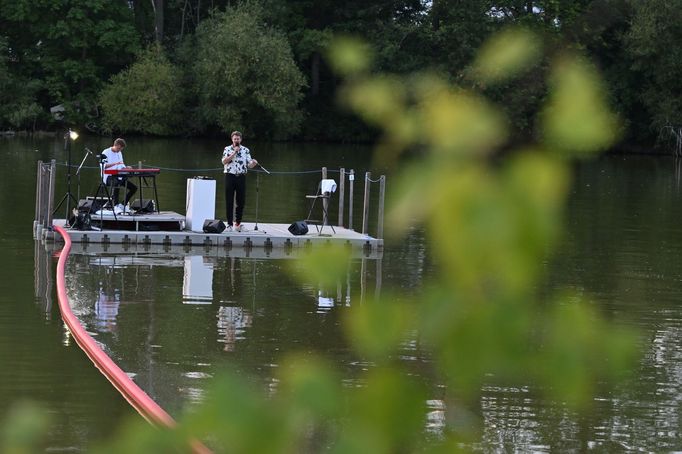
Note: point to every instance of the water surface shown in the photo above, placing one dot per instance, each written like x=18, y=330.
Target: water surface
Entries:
x=175, y=321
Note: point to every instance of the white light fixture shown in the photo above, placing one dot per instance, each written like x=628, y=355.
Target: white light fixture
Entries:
x=73, y=134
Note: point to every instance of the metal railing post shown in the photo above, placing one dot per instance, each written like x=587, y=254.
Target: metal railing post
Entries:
x=325, y=202
x=382, y=194
x=365, y=207
x=39, y=181
x=342, y=191
x=351, y=178
x=50, y=193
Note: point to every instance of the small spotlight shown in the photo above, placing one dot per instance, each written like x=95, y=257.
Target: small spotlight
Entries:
x=73, y=134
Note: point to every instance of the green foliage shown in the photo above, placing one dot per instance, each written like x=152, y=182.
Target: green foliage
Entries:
x=491, y=225
x=18, y=108
x=147, y=98
x=69, y=47
x=245, y=74
x=655, y=27
x=22, y=431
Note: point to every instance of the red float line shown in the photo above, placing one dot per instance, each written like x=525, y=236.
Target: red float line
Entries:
x=140, y=401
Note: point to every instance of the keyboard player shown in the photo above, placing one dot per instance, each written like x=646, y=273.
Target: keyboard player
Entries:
x=114, y=161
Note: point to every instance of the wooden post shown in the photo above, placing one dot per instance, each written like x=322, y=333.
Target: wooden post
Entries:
x=351, y=178
x=342, y=190
x=325, y=202
x=365, y=206
x=382, y=194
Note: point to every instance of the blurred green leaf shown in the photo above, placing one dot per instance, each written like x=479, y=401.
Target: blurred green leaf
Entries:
x=24, y=429
x=577, y=119
x=349, y=55
x=387, y=414
x=460, y=123
x=506, y=54
x=581, y=349
x=324, y=265
x=311, y=385
x=377, y=327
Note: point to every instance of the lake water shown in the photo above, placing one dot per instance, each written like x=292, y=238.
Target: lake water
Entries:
x=174, y=322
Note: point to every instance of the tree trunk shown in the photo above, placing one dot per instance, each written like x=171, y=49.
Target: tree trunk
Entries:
x=158, y=7
x=315, y=74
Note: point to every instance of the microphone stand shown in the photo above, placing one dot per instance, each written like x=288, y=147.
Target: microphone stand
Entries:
x=257, y=198
x=78, y=174
x=258, y=193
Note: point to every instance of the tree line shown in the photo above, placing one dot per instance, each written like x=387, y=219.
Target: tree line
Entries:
x=193, y=67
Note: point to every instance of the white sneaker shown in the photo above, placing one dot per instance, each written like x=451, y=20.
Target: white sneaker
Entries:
x=228, y=228
x=238, y=228
x=118, y=209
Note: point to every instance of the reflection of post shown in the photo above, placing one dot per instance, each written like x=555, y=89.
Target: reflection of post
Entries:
x=197, y=284
x=363, y=280
x=42, y=278
x=377, y=292
x=348, y=284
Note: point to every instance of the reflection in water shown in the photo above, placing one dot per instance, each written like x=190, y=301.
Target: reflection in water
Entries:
x=197, y=284
x=169, y=321
x=232, y=322
x=106, y=307
x=43, y=278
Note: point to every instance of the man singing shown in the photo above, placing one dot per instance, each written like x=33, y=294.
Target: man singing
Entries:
x=236, y=161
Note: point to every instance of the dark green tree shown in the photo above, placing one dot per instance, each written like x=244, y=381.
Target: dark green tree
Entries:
x=244, y=75
x=147, y=98
x=657, y=59
x=18, y=106
x=71, y=47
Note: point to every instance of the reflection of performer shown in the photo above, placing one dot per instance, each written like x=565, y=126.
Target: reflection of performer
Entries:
x=106, y=309
x=114, y=161
x=231, y=324
x=236, y=161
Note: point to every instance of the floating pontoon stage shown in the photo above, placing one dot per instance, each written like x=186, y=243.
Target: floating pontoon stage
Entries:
x=166, y=229
x=138, y=231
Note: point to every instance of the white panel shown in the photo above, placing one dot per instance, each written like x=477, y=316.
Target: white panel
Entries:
x=200, y=203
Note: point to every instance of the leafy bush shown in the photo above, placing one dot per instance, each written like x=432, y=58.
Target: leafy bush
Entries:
x=245, y=75
x=147, y=98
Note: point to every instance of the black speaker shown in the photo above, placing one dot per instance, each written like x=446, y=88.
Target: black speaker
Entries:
x=298, y=228
x=89, y=205
x=142, y=206
x=80, y=221
x=214, y=226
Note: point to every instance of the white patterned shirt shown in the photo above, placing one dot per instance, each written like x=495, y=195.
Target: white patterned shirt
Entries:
x=239, y=165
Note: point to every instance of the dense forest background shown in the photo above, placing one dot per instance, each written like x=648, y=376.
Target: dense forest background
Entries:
x=193, y=67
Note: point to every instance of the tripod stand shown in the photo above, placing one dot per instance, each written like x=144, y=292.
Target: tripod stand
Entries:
x=68, y=197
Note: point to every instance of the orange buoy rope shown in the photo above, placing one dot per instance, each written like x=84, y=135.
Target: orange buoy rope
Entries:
x=144, y=404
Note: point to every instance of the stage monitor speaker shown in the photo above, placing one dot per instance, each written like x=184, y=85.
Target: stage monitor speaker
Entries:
x=80, y=221
x=142, y=206
x=298, y=228
x=214, y=226
x=89, y=205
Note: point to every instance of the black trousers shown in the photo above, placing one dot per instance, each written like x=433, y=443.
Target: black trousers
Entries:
x=235, y=185
x=115, y=183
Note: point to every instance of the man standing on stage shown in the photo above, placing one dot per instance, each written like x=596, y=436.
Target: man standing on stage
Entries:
x=114, y=161
x=236, y=161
